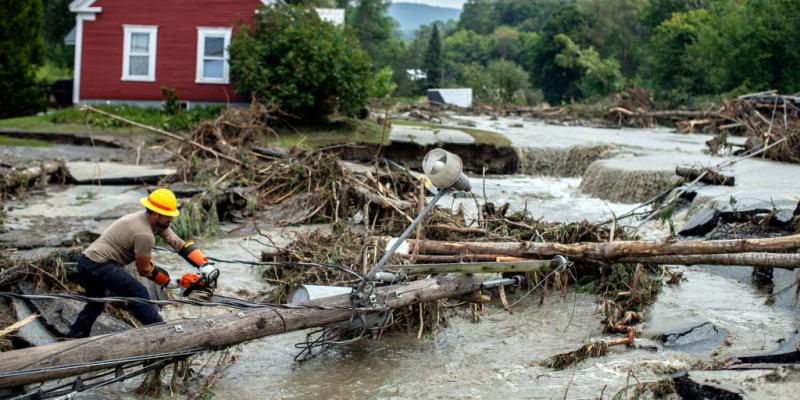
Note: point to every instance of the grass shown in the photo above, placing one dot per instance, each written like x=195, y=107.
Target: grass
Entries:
x=46, y=123
x=6, y=141
x=341, y=131
x=73, y=120
x=481, y=136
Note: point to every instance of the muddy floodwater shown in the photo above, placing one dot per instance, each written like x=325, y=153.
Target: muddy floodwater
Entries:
x=716, y=311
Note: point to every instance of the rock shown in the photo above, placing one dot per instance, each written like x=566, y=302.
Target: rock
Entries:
x=515, y=125
x=701, y=223
x=688, y=387
x=109, y=173
x=57, y=314
x=743, y=210
x=693, y=337
x=33, y=333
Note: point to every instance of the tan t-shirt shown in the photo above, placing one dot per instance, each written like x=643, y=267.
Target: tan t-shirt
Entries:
x=128, y=236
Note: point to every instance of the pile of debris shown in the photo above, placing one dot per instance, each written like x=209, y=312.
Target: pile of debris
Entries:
x=766, y=118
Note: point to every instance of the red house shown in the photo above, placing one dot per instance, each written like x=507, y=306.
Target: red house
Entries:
x=126, y=50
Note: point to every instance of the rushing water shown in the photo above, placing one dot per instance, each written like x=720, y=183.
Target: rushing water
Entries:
x=498, y=357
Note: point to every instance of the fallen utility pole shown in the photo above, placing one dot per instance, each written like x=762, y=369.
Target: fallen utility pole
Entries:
x=78, y=356
x=609, y=251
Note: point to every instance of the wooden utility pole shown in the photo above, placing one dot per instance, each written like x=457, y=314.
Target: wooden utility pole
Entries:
x=78, y=356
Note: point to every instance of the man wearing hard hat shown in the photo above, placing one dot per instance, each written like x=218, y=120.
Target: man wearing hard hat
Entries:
x=131, y=239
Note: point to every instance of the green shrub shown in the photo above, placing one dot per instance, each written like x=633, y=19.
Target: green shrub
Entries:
x=306, y=66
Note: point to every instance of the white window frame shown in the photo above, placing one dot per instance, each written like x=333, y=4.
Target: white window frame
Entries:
x=202, y=33
x=126, y=53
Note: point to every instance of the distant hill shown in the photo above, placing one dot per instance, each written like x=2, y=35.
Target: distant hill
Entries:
x=411, y=16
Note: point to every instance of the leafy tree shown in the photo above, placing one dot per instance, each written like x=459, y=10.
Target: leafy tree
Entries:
x=599, y=77
x=478, y=16
x=508, y=78
x=558, y=83
x=671, y=67
x=614, y=29
x=749, y=46
x=21, y=51
x=657, y=11
x=433, y=59
x=528, y=15
x=306, y=66
x=467, y=47
x=376, y=31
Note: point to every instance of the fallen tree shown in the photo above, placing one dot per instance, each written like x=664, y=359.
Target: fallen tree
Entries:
x=78, y=356
x=609, y=251
x=706, y=176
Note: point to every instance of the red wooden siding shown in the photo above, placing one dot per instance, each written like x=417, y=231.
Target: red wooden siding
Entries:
x=176, y=48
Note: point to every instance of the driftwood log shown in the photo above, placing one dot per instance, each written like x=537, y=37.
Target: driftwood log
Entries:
x=708, y=176
x=609, y=251
x=73, y=357
x=14, y=179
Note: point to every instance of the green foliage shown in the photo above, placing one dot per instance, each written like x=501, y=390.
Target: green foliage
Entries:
x=181, y=121
x=600, y=77
x=21, y=51
x=614, y=29
x=671, y=67
x=558, y=83
x=478, y=16
x=171, y=106
x=375, y=31
x=501, y=83
x=433, y=59
x=306, y=66
x=382, y=84
x=467, y=47
x=58, y=21
x=50, y=72
x=509, y=79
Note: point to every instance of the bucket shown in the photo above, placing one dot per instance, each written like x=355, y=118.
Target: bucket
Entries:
x=305, y=293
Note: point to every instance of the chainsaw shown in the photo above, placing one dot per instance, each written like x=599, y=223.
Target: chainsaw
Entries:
x=199, y=286
x=202, y=285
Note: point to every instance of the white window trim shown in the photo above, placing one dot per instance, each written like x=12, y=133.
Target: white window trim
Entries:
x=151, y=68
x=201, y=44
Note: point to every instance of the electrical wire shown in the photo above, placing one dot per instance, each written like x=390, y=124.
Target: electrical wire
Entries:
x=277, y=263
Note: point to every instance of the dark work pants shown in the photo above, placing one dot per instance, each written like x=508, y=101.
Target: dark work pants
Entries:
x=101, y=278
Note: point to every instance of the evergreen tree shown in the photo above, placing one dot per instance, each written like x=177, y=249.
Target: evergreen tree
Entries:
x=21, y=51
x=433, y=59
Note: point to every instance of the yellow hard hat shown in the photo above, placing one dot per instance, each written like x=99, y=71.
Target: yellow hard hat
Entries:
x=162, y=201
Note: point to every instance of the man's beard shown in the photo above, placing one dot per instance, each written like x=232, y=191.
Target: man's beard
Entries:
x=162, y=226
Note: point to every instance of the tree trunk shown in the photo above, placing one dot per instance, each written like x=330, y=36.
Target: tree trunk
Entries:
x=70, y=357
x=710, y=177
x=17, y=178
x=756, y=260
x=609, y=251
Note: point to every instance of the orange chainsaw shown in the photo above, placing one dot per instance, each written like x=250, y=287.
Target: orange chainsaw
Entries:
x=202, y=286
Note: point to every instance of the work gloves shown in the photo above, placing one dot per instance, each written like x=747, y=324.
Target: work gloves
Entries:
x=192, y=254
x=158, y=275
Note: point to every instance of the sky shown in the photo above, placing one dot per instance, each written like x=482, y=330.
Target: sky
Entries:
x=439, y=3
